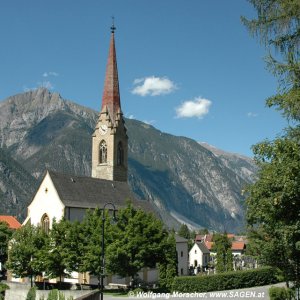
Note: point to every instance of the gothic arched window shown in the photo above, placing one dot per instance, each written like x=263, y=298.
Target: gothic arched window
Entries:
x=120, y=154
x=103, y=152
x=45, y=223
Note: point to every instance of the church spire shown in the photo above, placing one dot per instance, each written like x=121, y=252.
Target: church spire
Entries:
x=110, y=140
x=111, y=93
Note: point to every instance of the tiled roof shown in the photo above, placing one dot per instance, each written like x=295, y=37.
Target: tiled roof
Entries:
x=238, y=246
x=12, y=222
x=88, y=192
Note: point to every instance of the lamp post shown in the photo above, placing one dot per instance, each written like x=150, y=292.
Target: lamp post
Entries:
x=103, y=248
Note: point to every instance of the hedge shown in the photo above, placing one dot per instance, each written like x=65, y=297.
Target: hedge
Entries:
x=225, y=281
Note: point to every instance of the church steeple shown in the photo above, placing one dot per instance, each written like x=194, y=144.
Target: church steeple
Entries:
x=111, y=92
x=110, y=141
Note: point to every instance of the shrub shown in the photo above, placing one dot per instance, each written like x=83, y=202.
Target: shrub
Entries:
x=57, y=295
x=31, y=295
x=280, y=293
x=3, y=288
x=225, y=281
x=136, y=291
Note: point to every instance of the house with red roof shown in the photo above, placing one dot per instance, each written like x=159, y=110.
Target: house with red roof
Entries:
x=11, y=221
x=237, y=248
x=238, y=242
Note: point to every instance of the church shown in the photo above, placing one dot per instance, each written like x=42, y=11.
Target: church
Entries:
x=69, y=196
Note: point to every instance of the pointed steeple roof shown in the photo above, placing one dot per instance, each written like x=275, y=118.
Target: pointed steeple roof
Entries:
x=111, y=93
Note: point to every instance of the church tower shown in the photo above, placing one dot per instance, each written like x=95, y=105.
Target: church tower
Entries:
x=110, y=140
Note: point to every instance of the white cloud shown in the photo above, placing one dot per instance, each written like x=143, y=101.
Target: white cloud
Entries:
x=198, y=107
x=153, y=86
x=252, y=114
x=46, y=74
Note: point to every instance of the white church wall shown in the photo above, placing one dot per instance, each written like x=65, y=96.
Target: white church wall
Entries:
x=45, y=201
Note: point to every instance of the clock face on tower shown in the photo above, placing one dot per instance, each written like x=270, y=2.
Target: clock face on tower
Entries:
x=103, y=129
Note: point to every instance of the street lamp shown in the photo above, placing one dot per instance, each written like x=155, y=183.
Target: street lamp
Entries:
x=103, y=248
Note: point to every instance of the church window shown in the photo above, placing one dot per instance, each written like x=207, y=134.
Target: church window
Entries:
x=45, y=223
x=103, y=152
x=120, y=154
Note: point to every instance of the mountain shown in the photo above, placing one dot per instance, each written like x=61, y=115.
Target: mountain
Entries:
x=16, y=185
x=187, y=181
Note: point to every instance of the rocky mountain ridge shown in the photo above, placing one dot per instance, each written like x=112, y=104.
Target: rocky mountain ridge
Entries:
x=187, y=181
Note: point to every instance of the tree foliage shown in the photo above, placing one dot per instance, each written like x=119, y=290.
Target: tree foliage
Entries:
x=168, y=266
x=55, y=253
x=5, y=235
x=137, y=240
x=24, y=251
x=273, y=203
x=91, y=240
x=222, y=246
x=184, y=231
x=140, y=242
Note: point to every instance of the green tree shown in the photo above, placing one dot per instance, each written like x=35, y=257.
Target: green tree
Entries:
x=168, y=265
x=5, y=236
x=187, y=234
x=73, y=245
x=222, y=246
x=184, y=231
x=203, y=231
x=91, y=241
x=273, y=206
x=139, y=242
x=54, y=255
x=24, y=251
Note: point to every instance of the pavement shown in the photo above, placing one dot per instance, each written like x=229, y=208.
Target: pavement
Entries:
x=253, y=293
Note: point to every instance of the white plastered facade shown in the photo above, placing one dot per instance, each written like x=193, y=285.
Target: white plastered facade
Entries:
x=45, y=202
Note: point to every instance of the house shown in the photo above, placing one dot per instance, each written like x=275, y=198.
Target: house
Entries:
x=182, y=255
x=199, y=257
x=11, y=221
x=238, y=248
x=238, y=245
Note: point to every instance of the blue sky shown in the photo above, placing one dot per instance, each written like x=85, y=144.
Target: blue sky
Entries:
x=188, y=67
